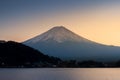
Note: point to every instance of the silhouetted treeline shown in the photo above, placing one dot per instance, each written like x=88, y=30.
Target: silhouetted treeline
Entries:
x=88, y=64
x=14, y=54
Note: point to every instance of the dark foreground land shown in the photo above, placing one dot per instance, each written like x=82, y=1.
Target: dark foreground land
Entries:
x=17, y=55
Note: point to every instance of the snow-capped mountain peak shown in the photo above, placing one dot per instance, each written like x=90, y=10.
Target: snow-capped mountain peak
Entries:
x=63, y=43
x=58, y=34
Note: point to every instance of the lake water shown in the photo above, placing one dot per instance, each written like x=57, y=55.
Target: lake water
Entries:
x=60, y=74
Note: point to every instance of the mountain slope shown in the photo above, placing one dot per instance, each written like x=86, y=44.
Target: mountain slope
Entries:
x=63, y=43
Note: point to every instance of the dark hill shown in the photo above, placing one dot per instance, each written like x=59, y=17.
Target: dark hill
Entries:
x=13, y=54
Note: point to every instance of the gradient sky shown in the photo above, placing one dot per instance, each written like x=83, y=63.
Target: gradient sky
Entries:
x=97, y=20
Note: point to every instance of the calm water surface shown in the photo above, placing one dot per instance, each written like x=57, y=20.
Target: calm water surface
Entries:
x=60, y=74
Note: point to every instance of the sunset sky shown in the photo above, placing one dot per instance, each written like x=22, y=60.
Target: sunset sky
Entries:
x=97, y=20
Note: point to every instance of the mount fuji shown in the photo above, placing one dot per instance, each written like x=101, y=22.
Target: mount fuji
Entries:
x=63, y=43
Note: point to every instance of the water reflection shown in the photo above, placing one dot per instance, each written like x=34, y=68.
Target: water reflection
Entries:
x=60, y=74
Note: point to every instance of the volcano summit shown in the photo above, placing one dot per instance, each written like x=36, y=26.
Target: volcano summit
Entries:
x=63, y=43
